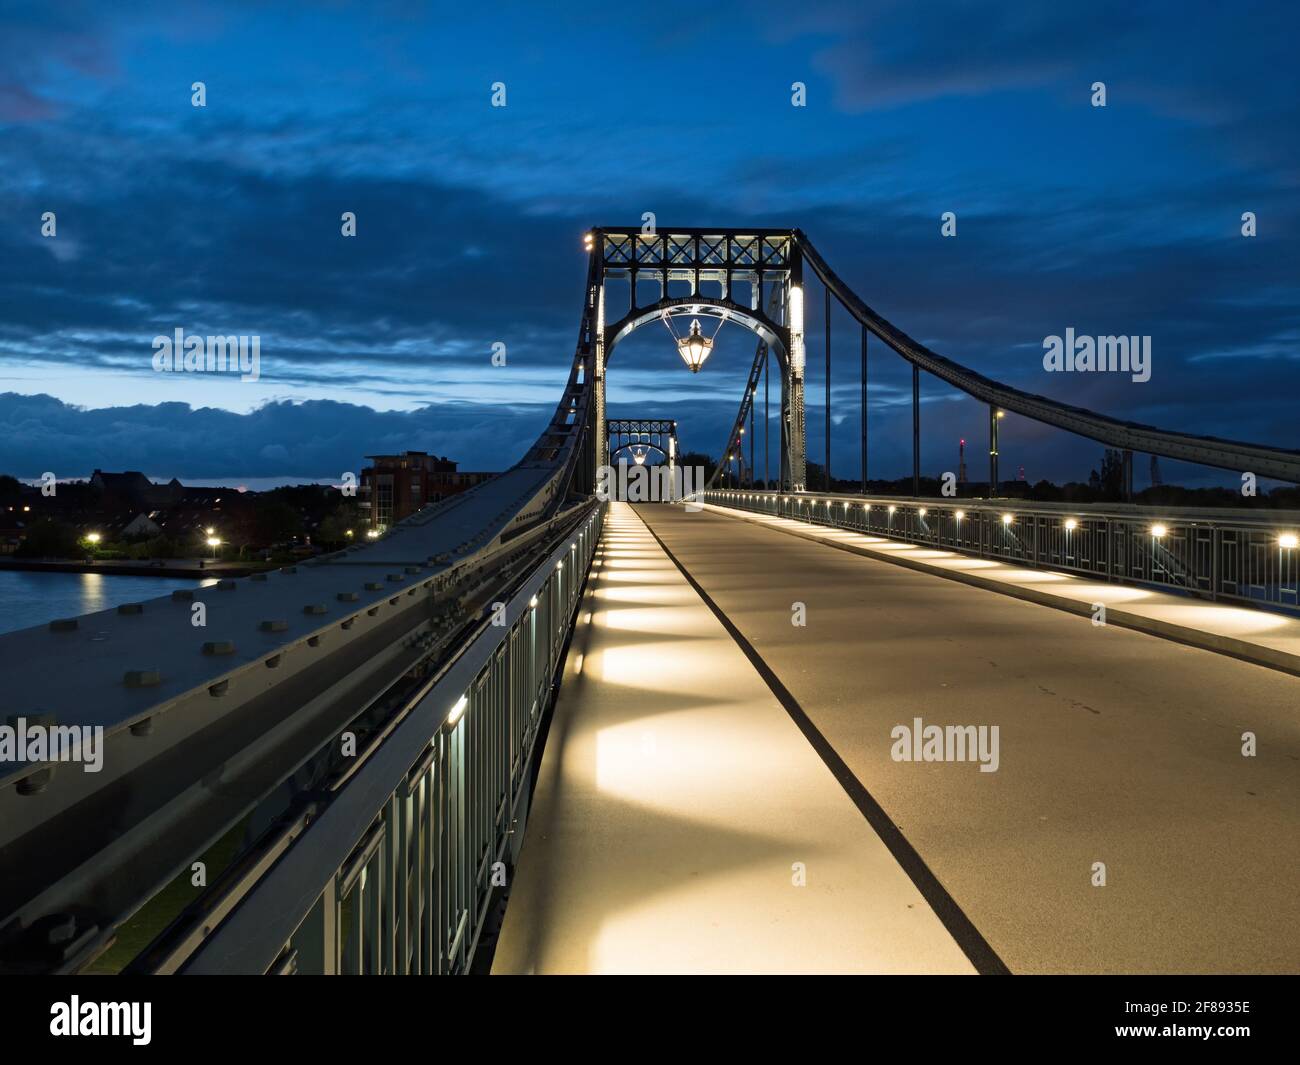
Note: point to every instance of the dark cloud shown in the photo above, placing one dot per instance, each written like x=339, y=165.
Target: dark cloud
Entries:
x=314, y=439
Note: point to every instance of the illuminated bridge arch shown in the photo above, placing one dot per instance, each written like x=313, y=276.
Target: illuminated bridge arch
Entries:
x=656, y=434
x=776, y=336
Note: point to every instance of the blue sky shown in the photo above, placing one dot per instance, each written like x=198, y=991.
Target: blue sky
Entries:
x=225, y=219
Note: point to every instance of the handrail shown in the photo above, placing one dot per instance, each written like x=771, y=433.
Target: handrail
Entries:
x=1252, y=559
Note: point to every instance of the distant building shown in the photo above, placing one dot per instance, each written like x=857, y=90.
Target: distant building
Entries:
x=396, y=486
x=134, y=491
x=141, y=525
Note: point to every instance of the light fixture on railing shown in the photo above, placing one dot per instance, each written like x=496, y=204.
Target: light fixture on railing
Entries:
x=1158, y=530
x=921, y=513
x=959, y=515
x=1288, y=541
x=1071, y=524
x=1007, y=519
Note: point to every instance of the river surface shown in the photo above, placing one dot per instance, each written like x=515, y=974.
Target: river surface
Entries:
x=28, y=598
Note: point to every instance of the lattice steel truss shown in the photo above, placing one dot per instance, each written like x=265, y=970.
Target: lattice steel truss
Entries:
x=657, y=434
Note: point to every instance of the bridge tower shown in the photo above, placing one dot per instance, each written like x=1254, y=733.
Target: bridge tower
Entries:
x=729, y=275
x=653, y=434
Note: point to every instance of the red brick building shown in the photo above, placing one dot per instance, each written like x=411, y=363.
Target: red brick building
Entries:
x=396, y=486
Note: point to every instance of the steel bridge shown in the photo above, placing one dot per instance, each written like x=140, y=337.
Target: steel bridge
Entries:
x=639, y=436
x=659, y=737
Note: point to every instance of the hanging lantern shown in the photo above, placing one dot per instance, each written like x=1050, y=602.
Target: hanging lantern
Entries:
x=694, y=347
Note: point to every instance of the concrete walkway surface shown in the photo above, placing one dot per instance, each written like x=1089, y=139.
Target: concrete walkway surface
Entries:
x=679, y=808
x=1260, y=636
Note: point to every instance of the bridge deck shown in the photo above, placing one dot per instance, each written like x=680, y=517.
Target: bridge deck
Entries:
x=676, y=797
x=1262, y=636
x=1116, y=746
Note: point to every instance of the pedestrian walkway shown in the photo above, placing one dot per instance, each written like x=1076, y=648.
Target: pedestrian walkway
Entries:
x=682, y=822
x=1264, y=637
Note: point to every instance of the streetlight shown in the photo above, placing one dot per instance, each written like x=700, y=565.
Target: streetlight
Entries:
x=695, y=347
x=92, y=538
x=213, y=543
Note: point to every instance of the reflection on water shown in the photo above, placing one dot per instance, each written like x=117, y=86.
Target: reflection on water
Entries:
x=28, y=599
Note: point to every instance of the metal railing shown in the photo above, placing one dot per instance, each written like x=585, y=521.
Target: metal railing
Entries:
x=395, y=872
x=1251, y=557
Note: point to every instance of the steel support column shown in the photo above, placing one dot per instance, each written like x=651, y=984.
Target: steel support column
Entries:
x=828, y=389
x=751, y=440
x=795, y=461
x=864, y=410
x=598, y=378
x=767, y=414
x=993, y=452
x=916, y=430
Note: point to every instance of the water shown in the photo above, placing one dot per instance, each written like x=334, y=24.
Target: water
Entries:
x=29, y=598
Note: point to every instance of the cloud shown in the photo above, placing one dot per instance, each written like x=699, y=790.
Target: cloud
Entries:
x=310, y=440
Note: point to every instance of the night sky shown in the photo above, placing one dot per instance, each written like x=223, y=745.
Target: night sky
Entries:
x=226, y=219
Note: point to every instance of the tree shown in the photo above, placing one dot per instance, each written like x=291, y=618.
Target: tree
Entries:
x=275, y=522
x=334, y=527
x=47, y=538
x=1109, y=484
